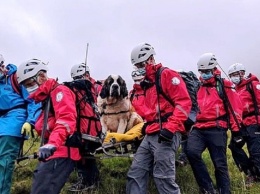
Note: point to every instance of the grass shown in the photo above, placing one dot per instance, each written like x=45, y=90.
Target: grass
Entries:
x=113, y=176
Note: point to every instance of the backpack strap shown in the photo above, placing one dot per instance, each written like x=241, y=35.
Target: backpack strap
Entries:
x=15, y=84
x=159, y=85
x=227, y=105
x=249, y=88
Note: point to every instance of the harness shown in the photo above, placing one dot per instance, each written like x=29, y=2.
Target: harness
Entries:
x=114, y=113
x=163, y=119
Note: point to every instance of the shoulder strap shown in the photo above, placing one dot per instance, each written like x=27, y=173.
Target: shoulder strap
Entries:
x=249, y=88
x=45, y=118
x=15, y=84
x=227, y=105
x=159, y=85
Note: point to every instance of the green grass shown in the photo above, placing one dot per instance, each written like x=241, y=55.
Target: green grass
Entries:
x=113, y=177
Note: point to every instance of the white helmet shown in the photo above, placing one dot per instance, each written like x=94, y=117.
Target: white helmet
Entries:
x=138, y=75
x=79, y=69
x=29, y=69
x=141, y=53
x=237, y=67
x=207, y=61
x=2, y=60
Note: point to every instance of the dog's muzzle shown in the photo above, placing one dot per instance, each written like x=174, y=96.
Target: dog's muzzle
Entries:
x=114, y=90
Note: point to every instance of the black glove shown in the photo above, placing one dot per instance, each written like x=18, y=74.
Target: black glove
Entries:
x=238, y=139
x=46, y=151
x=165, y=135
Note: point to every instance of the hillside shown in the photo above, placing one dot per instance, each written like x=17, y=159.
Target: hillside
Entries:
x=113, y=177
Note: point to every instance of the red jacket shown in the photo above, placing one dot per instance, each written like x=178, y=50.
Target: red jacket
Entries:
x=97, y=87
x=137, y=100
x=175, y=88
x=249, y=117
x=211, y=106
x=63, y=123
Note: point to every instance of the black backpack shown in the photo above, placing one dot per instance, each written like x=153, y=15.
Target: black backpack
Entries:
x=192, y=85
x=84, y=98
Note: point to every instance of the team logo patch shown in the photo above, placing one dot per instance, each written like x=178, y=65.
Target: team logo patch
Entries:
x=258, y=86
x=175, y=81
x=59, y=96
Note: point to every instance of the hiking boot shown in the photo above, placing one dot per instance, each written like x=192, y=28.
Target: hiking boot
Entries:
x=203, y=191
x=180, y=163
x=81, y=185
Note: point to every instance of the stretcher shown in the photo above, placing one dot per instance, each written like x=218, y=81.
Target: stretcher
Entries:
x=114, y=145
x=121, y=145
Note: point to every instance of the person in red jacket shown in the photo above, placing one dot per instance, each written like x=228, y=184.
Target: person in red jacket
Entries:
x=248, y=88
x=165, y=122
x=82, y=71
x=54, y=126
x=137, y=93
x=88, y=173
x=219, y=109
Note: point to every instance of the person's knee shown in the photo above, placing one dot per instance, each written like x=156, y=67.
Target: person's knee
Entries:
x=135, y=172
x=192, y=153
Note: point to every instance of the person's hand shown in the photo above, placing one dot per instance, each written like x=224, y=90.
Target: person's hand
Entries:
x=46, y=151
x=26, y=129
x=165, y=135
x=238, y=139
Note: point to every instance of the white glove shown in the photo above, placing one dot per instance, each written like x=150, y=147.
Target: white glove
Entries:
x=46, y=151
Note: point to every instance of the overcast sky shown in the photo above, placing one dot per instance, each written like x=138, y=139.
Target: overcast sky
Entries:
x=57, y=31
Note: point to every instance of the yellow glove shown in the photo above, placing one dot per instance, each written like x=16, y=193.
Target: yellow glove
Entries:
x=132, y=134
x=26, y=129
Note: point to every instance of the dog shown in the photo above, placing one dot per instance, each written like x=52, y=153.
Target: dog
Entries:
x=114, y=106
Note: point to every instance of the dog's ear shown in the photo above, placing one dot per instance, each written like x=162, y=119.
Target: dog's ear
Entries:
x=104, y=93
x=123, y=87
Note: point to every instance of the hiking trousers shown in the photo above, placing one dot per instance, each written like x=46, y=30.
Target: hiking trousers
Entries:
x=9, y=149
x=50, y=176
x=158, y=158
x=87, y=168
x=215, y=140
x=248, y=164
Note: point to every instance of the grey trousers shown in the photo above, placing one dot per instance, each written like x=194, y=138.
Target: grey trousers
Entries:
x=158, y=158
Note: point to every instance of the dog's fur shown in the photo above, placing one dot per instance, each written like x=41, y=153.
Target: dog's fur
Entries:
x=116, y=111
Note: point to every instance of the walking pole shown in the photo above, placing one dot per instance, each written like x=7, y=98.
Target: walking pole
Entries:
x=86, y=58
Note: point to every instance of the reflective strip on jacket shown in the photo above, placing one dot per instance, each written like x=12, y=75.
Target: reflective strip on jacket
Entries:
x=63, y=123
x=249, y=117
x=212, y=111
x=174, y=87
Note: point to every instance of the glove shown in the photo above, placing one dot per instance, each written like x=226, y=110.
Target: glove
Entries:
x=26, y=129
x=165, y=135
x=238, y=139
x=46, y=151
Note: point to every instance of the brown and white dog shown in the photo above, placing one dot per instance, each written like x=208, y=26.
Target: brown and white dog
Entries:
x=117, y=114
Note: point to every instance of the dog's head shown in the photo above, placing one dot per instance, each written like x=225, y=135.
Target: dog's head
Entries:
x=115, y=87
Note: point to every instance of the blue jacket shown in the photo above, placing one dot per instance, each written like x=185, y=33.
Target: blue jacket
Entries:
x=15, y=109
